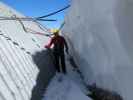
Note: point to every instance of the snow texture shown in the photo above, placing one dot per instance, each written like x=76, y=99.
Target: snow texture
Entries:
x=100, y=38
x=18, y=72
x=25, y=68
x=64, y=88
x=99, y=33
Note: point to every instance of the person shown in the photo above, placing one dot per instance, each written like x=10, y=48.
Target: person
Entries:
x=59, y=43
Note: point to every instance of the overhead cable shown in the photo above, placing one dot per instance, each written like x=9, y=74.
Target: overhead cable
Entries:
x=53, y=13
x=25, y=19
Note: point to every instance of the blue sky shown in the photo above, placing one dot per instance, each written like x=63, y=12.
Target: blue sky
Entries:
x=34, y=8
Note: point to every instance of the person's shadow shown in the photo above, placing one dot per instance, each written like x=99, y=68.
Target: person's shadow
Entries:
x=44, y=60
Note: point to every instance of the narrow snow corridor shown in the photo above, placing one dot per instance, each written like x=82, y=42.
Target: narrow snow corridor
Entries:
x=99, y=34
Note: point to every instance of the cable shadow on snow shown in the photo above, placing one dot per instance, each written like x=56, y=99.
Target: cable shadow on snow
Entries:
x=45, y=63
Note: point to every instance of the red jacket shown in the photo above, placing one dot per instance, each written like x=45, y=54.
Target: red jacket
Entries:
x=59, y=44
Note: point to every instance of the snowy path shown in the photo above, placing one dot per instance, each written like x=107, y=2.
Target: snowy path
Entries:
x=63, y=88
x=66, y=87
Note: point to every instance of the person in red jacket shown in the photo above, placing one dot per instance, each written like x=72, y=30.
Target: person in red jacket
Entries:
x=59, y=43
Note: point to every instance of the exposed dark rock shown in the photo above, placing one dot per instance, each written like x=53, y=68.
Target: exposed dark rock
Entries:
x=97, y=93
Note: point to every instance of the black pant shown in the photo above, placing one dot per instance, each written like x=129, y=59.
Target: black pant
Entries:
x=60, y=62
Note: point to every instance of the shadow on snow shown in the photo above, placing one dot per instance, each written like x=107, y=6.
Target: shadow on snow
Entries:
x=44, y=62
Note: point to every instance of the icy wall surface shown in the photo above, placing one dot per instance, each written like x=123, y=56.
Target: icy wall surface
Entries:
x=18, y=72
x=100, y=36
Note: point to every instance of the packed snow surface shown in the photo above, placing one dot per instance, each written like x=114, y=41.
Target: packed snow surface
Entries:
x=64, y=88
x=100, y=35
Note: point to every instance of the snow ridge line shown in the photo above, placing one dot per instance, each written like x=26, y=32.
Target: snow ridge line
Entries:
x=35, y=42
x=5, y=82
x=28, y=79
x=15, y=43
x=20, y=70
x=9, y=71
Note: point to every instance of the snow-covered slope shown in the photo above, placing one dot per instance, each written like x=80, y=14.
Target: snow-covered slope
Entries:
x=100, y=36
x=18, y=72
x=64, y=88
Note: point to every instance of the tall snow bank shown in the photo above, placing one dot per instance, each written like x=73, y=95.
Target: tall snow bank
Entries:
x=99, y=33
x=18, y=72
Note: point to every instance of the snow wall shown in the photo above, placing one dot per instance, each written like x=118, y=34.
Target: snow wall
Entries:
x=100, y=35
x=18, y=72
